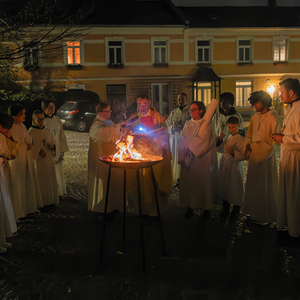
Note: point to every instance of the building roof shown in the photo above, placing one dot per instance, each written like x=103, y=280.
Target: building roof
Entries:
x=225, y=17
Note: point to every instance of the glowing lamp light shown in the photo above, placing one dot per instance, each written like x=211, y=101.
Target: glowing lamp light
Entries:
x=271, y=89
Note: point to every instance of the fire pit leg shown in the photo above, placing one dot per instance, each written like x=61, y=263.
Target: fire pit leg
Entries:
x=107, y=191
x=124, y=207
x=155, y=193
x=141, y=221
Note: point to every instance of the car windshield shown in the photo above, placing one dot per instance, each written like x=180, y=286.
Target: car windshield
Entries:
x=69, y=105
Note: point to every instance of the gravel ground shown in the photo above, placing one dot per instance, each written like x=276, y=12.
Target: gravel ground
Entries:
x=68, y=253
x=75, y=164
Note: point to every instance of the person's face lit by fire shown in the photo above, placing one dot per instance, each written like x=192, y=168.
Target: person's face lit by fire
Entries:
x=20, y=117
x=105, y=113
x=50, y=109
x=195, y=112
x=181, y=100
x=143, y=105
x=285, y=95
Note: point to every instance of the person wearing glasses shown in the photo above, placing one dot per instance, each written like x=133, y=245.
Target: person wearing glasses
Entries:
x=199, y=174
x=103, y=137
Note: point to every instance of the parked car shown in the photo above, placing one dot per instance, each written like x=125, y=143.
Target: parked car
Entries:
x=78, y=114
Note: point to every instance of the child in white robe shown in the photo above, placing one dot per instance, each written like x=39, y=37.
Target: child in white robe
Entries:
x=260, y=200
x=7, y=217
x=25, y=193
x=231, y=176
x=43, y=145
x=199, y=174
x=54, y=124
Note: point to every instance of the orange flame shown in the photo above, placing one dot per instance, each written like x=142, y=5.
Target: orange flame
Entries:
x=126, y=151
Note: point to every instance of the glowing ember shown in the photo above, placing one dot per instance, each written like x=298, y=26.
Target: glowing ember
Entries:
x=126, y=152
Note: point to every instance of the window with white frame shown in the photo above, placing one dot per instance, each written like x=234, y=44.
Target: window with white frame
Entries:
x=243, y=89
x=73, y=52
x=202, y=92
x=244, y=51
x=160, y=97
x=31, y=55
x=159, y=51
x=115, y=48
x=280, y=50
x=203, y=51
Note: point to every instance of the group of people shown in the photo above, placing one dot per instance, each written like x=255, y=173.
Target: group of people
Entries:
x=202, y=151
x=31, y=170
x=203, y=157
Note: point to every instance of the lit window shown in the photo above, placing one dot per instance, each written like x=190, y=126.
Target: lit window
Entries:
x=115, y=52
x=243, y=89
x=160, y=52
x=202, y=92
x=280, y=50
x=73, y=53
x=203, y=51
x=31, y=56
x=244, y=51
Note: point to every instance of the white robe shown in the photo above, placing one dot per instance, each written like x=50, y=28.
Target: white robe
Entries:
x=260, y=200
x=24, y=189
x=219, y=122
x=177, y=116
x=231, y=177
x=55, y=126
x=289, y=189
x=199, y=175
x=42, y=139
x=103, y=142
x=7, y=217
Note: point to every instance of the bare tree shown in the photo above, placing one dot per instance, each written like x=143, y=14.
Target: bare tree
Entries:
x=33, y=28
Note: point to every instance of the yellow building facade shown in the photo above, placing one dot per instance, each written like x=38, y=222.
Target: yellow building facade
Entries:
x=118, y=63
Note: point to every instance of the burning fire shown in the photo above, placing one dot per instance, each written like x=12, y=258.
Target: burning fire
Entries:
x=126, y=152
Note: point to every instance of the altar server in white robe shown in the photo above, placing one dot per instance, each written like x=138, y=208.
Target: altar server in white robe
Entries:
x=103, y=137
x=25, y=192
x=260, y=200
x=198, y=179
x=289, y=188
x=43, y=150
x=7, y=218
x=54, y=124
x=231, y=177
x=175, y=123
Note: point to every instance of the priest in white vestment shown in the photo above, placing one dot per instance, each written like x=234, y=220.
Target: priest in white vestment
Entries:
x=175, y=123
x=289, y=188
x=43, y=149
x=103, y=137
x=54, y=125
x=199, y=173
x=25, y=192
x=260, y=200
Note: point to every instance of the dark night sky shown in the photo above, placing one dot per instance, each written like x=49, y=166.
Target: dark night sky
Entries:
x=234, y=2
